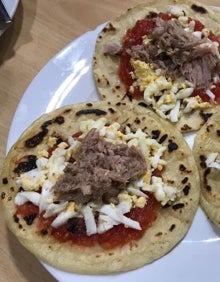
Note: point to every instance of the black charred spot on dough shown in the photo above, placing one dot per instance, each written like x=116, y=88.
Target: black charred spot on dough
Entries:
x=178, y=206
x=67, y=111
x=151, y=15
x=59, y=139
x=186, y=127
x=218, y=132
x=159, y=234
x=59, y=120
x=142, y=104
x=198, y=9
x=205, y=116
x=3, y=195
x=12, y=189
x=155, y=134
x=76, y=225
x=16, y=218
x=9, y=199
x=129, y=96
x=209, y=127
x=172, y=227
x=162, y=139
x=182, y=167
x=38, y=138
x=172, y=146
x=89, y=104
x=44, y=232
x=166, y=206
x=4, y=180
x=202, y=161
x=111, y=110
x=96, y=112
x=208, y=188
x=137, y=120
x=26, y=165
x=185, y=179
x=170, y=181
x=206, y=173
x=109, y=27
x=29, y=219
x=186, y=190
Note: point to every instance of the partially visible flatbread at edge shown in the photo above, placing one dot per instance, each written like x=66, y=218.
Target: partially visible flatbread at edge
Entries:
x=207, y=141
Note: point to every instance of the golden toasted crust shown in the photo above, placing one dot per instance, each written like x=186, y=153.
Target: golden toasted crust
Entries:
x=172, y=222
x=105, y=68
x=208, y=141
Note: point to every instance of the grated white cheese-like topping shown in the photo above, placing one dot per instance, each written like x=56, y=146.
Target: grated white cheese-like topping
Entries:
x=50, y=168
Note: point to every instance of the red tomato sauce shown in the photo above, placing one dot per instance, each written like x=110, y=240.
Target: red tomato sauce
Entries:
x=75, y=230
x=134, y=36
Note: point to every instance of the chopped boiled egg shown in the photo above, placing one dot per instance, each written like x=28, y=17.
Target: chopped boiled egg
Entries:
x=162, y=192
x=25, y=196
x=117, y=214
x=166, y=95
x=144, y=74
x=193, y=103
x=43, y=153
x=31, y=180
x=52, y=141
x=62, y=218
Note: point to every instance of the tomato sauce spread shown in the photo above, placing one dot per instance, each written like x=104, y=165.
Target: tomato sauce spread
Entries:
x=75, y=230
x=134, y=36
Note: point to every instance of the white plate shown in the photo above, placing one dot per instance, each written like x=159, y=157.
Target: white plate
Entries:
x=10, y=6
x=66, y=79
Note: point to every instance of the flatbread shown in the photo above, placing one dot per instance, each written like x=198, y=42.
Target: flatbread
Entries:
x=173, y=220
x=105, y=66
x=207, y=141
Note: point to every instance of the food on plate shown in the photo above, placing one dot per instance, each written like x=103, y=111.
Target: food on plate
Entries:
x=100, y=187
x=165, y=53
x=206, y=150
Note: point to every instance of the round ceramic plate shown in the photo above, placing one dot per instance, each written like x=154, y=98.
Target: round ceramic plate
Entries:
x=10, y=6
x=66, y=79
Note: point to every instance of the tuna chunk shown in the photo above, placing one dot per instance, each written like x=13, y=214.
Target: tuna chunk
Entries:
x=179, y=52
x=100, y=172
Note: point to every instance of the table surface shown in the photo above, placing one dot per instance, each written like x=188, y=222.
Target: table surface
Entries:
x=39, y=30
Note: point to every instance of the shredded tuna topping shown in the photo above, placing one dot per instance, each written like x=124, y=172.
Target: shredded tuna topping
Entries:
x=180, y=52
x=100, y=172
